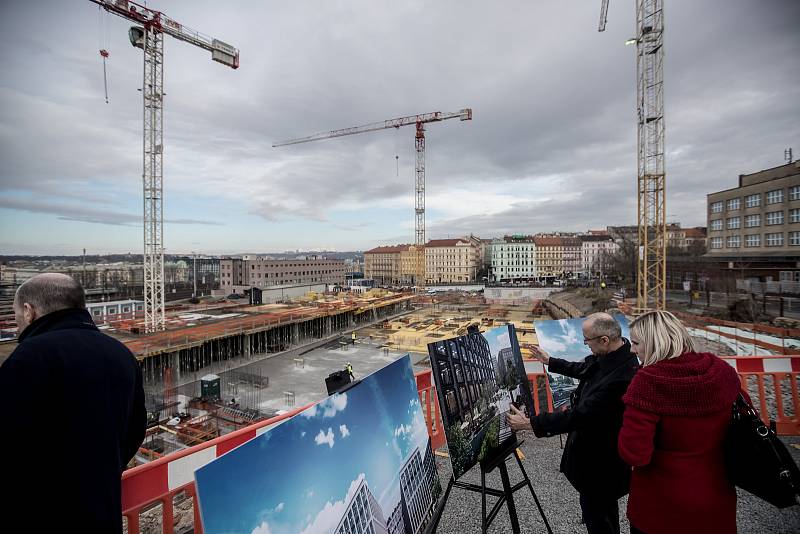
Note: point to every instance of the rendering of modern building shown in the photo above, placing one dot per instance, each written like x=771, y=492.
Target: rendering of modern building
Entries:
x=466, y=373
x=363, y=515
x=417, y=481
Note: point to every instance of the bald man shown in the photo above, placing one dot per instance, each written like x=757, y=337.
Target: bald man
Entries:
x=71, y=411
x=590, y=460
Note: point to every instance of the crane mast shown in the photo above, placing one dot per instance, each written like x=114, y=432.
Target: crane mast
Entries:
x=419, y=170
x=651, y=273
x=150, y=38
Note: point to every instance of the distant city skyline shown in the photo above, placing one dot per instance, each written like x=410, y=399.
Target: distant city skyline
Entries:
x=552, y=143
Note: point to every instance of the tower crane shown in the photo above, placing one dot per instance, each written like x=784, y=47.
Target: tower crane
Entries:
x=651, y=176
x=419, y=182
x=150, y=38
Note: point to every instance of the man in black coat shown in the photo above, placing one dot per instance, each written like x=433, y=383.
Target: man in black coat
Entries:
x=590, y=460
x=72, y=413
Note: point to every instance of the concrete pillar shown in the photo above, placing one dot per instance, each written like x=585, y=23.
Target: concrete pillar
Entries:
x=175, y=364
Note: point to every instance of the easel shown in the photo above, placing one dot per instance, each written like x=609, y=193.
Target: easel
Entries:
x=506, y=495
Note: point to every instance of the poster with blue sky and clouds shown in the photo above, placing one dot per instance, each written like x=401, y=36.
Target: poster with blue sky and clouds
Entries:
x=564, y=338
x=299, y=476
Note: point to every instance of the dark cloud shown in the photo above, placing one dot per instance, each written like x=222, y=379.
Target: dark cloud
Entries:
x=553, y=102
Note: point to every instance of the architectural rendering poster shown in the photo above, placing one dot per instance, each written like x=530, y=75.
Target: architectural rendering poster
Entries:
x=477, y=377
x=564, y=339
x=359, y=461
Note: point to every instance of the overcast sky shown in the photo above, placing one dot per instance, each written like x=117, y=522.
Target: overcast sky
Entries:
x=552, y=145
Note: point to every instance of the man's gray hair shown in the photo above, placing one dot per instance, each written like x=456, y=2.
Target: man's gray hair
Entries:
x=51, y=292
x=604, y=325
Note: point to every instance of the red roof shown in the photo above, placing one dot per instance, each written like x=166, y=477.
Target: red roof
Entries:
x=696, y=233
x=547, y=241
x=393, y=249
x=445, y=242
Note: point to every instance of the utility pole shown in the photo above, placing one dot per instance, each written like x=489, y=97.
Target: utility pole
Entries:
x=194, y=274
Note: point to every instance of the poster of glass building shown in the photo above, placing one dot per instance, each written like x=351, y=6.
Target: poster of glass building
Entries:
x=477, y=378
x=564, y=339
x=356, y=462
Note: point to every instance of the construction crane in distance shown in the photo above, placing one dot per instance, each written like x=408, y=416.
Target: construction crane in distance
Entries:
x=419, y=182
x=150, y=38
x=651, y=274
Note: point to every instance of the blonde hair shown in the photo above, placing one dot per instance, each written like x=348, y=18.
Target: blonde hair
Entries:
x=661, y=335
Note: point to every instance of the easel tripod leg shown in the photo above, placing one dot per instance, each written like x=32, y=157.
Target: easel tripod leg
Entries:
x=512, y=509
x=535, y=498
x=483, y=502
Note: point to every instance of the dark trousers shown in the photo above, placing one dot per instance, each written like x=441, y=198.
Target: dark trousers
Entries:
x=600, y=514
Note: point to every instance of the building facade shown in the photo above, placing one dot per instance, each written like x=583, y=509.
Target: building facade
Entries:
x=363, y=515
x=549, y=255
x=385, y=264
x=239, y=274
x=759, y=218
x=596, y=252
x=452, y=261
x=417, y=481
x=512, y=258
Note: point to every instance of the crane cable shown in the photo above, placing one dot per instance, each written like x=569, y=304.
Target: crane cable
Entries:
x=103, y=52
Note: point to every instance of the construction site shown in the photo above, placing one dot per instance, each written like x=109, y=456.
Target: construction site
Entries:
x=220, y=367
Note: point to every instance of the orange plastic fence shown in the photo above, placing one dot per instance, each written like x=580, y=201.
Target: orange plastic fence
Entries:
x=771, y=380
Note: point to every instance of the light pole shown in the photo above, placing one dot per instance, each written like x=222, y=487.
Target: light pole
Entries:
x=194, y=275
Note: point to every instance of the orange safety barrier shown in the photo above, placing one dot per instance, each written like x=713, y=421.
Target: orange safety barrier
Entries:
x=160, y=481
x=771, y=382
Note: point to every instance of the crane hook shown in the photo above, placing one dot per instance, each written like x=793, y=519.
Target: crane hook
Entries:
x=104, y=54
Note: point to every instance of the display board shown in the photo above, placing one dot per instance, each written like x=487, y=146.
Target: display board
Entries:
x=564, y=339
x=358, y=461
x=477, y=377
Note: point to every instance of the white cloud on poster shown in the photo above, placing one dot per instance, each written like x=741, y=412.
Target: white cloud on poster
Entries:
x=327, y=518
x=503, y=340
x=263, y=528
x=323, y=438
x=402, y=430
x=279, y=508
x=334, y=404
x=344, y=431
x=328, y=407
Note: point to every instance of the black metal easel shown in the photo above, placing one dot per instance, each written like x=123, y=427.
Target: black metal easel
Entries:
x=505, y=496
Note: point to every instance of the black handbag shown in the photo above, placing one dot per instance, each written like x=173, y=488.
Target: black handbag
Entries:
x=757, y=461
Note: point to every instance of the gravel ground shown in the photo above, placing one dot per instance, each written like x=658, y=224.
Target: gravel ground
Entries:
x=462, y=514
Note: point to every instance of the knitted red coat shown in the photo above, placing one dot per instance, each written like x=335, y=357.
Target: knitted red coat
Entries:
x=676, y=414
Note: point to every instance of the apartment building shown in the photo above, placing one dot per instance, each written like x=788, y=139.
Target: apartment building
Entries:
x=596, y=252
x=385, y=264
x=549, y=255
x=452, y=261
x=512, y=258
x=237, y=275
x=758, y=218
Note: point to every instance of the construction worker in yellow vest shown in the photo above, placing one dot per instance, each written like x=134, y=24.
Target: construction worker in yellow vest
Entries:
x=349, y=368
x=353, y=338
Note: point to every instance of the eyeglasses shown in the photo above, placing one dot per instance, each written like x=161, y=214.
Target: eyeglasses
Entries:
x=586, y=340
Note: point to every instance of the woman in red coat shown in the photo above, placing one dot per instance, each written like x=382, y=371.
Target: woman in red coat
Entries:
x=677, y=410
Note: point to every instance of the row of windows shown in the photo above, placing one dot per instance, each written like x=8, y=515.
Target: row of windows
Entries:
x=754, y=201
x=752, y=221
x=754, y=240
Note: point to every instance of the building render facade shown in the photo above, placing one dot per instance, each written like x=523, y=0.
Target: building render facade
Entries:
x=363, y=515
x=417, y=480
